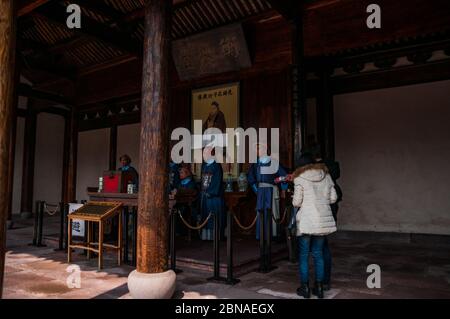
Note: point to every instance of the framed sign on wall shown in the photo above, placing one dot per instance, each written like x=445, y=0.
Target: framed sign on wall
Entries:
x=217, y=107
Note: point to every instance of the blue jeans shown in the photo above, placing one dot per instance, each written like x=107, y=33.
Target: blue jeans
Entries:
x=315, y=244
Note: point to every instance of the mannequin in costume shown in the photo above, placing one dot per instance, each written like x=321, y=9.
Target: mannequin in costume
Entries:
x=266, y=189
x=211, y=196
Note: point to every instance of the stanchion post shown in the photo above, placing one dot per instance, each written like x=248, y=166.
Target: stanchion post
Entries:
x=61, y=227
x=65, y=213
x=173, y=256
x=36, y=222
x=40, y=224
x=216, y=276
x=230, y=279
x=262, y=242
x=269, y=241
x=126, y=235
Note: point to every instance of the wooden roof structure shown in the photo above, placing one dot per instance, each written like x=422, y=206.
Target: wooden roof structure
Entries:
x=55, y=59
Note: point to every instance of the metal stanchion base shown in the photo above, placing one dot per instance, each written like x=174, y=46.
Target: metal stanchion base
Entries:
x=267, y=270
x=232, y=281
x=36, y=245
x=219, y=280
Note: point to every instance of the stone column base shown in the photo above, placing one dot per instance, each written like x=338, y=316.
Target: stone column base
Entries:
x=26, y=215
x=152, y=286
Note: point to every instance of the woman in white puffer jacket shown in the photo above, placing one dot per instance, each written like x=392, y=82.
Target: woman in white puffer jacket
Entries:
x=313, y=193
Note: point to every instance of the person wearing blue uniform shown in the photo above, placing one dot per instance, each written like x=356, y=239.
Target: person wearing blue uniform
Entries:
x=266, y=189
x=211, y=196
x=174, y=176
x=186, y=187
x=125, y=161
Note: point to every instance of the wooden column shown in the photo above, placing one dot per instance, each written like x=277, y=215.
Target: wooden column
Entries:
x=69, y=183
x=325, y=114
x=113, y=148
x=26, y=204
x=7, y=48
x=12, y=145
x=152, y=250
x=299, y=114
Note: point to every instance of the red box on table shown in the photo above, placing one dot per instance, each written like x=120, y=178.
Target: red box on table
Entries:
x=116, y=181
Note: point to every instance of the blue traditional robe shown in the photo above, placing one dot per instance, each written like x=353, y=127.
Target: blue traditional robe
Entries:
x=263, y=186
x=211, y=198
x=133, y=172
x=174, y=176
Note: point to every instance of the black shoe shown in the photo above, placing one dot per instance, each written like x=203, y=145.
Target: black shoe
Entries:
x=304, y=291
x=318, y=290
x=326, y=286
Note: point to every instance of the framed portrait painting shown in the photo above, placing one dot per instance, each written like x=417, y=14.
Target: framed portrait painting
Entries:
x=217, y=107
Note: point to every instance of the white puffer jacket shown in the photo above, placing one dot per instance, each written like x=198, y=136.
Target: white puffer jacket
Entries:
x=314, y=192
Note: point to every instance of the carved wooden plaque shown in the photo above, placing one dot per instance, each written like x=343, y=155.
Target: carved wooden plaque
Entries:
x=217, y=51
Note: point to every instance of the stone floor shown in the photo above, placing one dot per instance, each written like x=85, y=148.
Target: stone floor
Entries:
x=408, y=270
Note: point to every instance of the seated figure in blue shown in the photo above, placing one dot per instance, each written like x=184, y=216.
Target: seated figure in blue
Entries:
x=174, y=176
x=211, y=197
x=187, y=189
x=266, y=189
x=125, y=161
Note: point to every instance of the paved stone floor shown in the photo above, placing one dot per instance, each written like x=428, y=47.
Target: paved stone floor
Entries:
x=407, y=271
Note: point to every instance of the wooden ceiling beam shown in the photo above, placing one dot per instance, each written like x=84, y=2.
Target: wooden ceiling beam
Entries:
x=28, y=91
x=28, y=6
x=93, y=29
x=289, y=9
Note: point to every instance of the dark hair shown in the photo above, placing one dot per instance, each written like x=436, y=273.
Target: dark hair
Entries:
x=306, y=159
x=125, y=157
x=216, y=104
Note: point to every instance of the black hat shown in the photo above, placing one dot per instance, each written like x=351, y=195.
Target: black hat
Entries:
x=305, y=159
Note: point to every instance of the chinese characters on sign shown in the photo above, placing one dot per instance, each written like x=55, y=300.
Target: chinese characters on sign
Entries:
x=217, y=51
x=215, y=94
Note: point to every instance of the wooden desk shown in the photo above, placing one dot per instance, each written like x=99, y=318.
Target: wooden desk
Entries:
x=130, y=200
x=129, y=203
x=235, y=199
x=95, y=212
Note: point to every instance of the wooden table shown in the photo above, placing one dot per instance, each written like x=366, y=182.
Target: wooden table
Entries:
x=95, y=212
x=129, y=203
x=130, y=200
x=234, y=199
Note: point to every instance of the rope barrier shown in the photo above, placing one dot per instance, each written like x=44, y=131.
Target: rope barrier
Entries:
x=282, y=219
x=242, y=226
x=51, y=213
x=192, y=227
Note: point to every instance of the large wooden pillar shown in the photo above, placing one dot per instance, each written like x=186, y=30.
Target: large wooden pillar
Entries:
x=299, y=114
x=12, y=145
x=26, y=203
x=70, y=157
x=325, y=114
x=7, y=57
x=113, y=148
x=152, y=250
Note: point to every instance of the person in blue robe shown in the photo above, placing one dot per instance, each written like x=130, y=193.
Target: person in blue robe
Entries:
x=187, y=187
x=125, y=161
x=174, y=176
x=266, y=190
x=211, y=197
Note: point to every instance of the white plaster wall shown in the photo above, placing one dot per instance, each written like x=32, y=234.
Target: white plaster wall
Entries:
x=394, y=149
x=128, y=139
x=18, y=161
x=93, y=159
x=48, y=158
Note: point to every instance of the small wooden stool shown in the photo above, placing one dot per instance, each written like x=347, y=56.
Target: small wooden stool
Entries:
x=96, y=212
